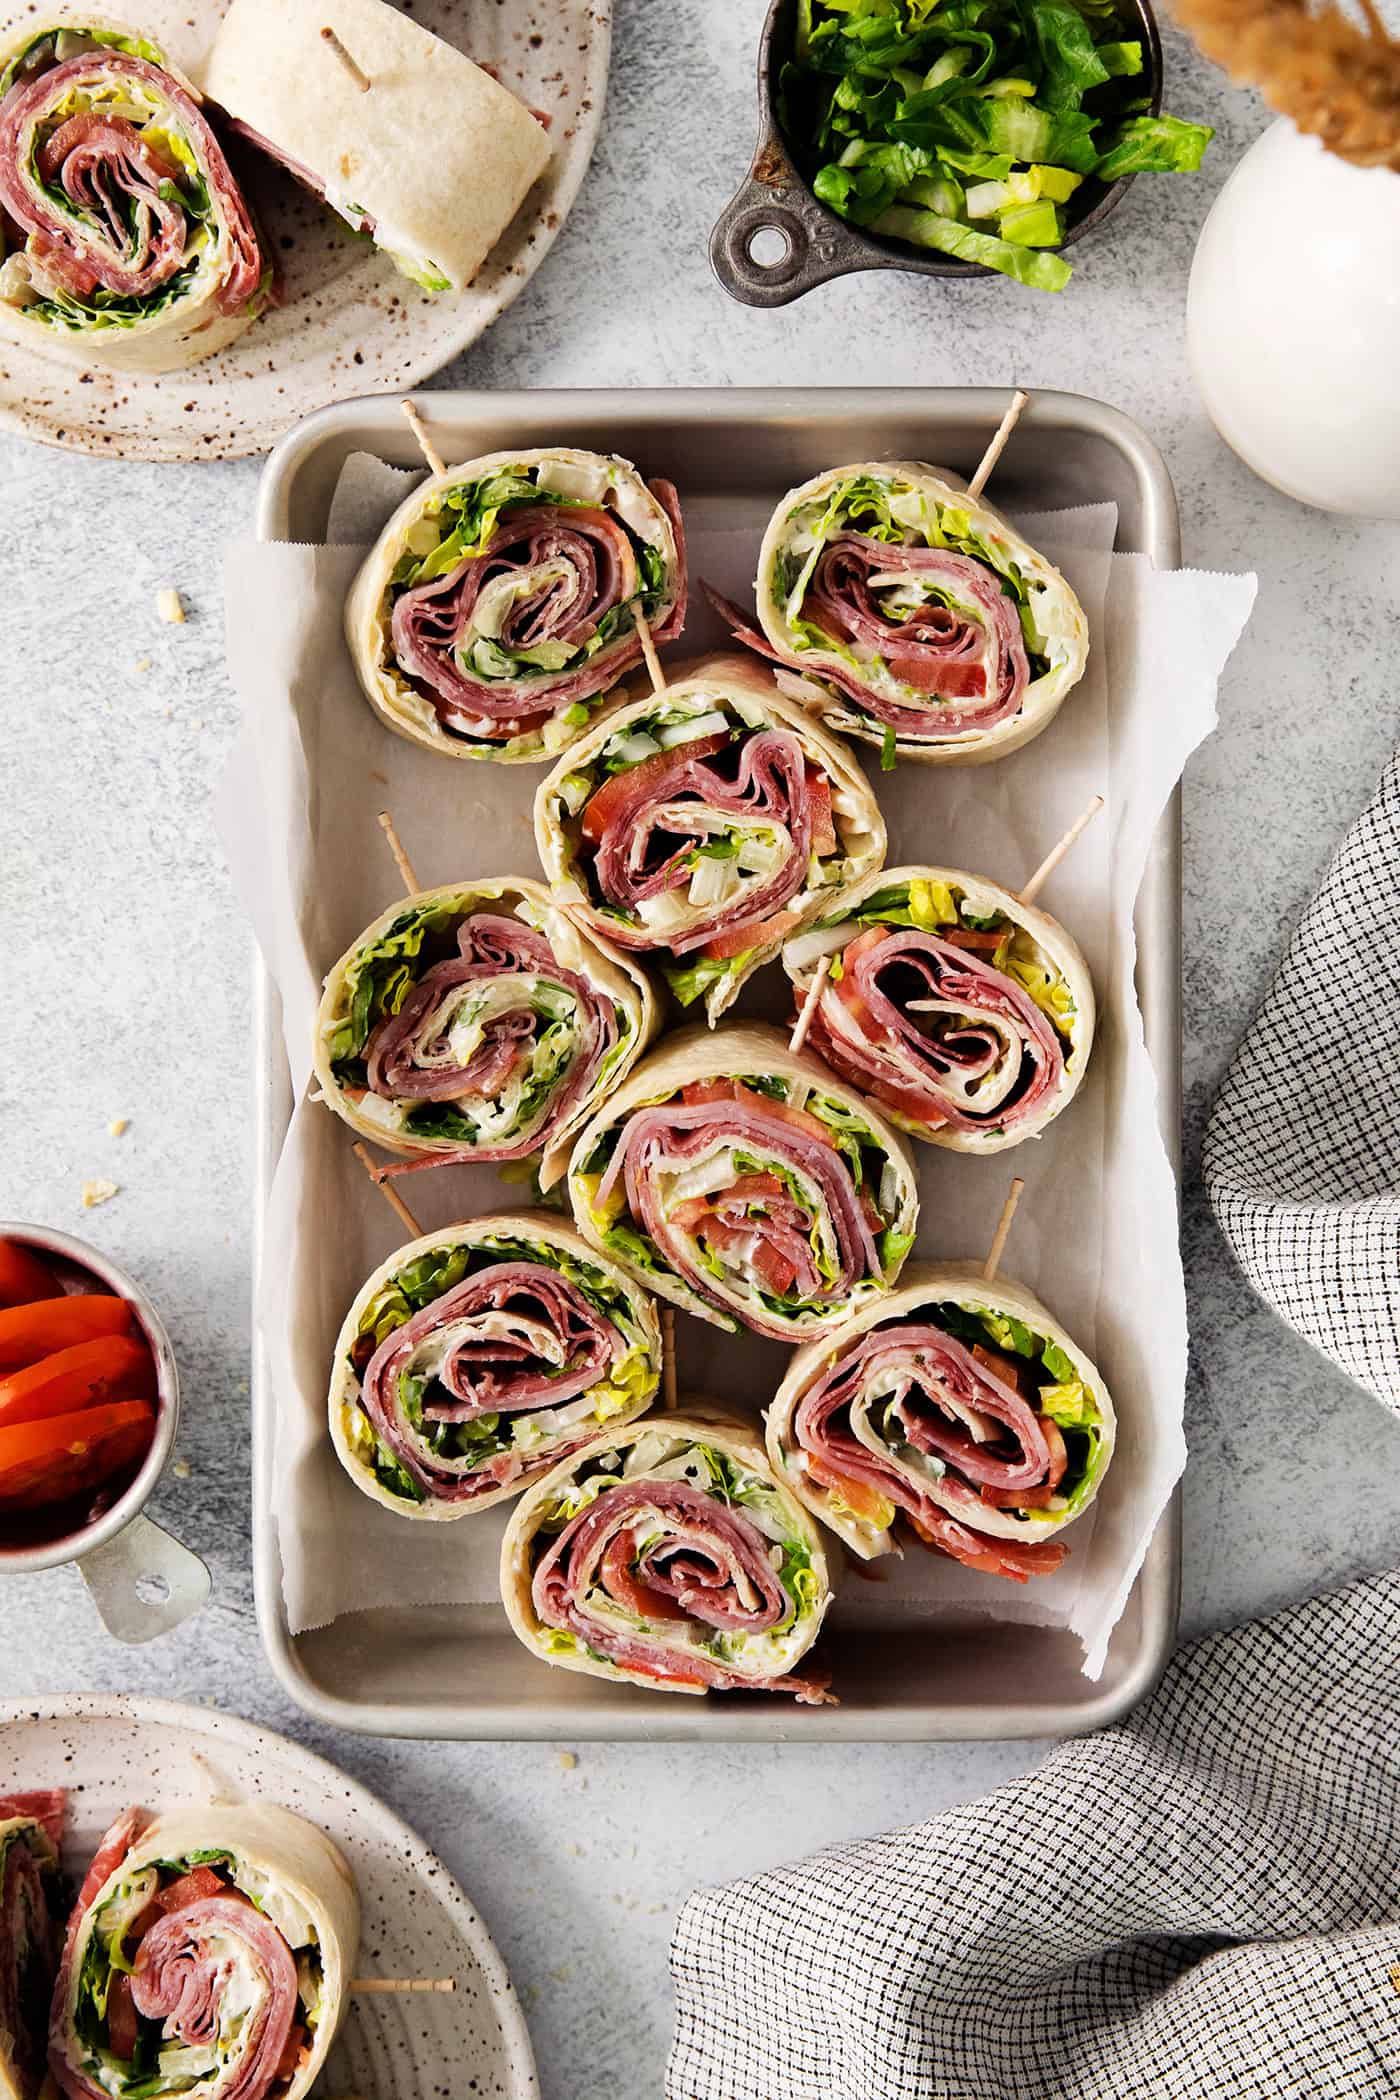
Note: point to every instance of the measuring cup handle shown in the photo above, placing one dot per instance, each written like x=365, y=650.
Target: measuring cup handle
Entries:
x=773, y=200
x=144, y=1582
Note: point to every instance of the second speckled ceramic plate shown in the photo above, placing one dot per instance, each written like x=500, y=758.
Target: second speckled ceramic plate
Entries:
x=349, y=322
x=110, y=1751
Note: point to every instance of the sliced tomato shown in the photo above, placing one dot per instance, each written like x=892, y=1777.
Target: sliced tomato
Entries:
x=1059, y=1456
x=291, y=2053
x=43, y=1462
x=621, y=1581
x=749, y=1188
x=112, y=1367
x=670, y=1675
x=723, y=1237
x=737, y=940
x=1017, y=1498
x=123, y=2029
x=871, y=937
x=775, y=1271
x=824, y=839
x=858, y=1495
x=698, y=1091
x=23, y=1277
x=1005, y=1557
x=605, y=802
x=195, y=1887
x=786, y=1113
x=28, y=1332
x=754, y=1188
x=970, y=937
x=1007, y=1368
x=907, y=1101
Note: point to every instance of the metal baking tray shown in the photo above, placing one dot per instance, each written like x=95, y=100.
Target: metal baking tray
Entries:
x=457, y=1671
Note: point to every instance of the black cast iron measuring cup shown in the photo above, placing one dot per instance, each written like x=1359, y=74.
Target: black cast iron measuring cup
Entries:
x=774, y=241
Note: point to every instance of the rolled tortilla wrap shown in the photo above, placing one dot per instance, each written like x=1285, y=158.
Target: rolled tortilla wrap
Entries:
x=746, y=1184
x=213, y=1949
x=432, y=161
x=137, y=247
x=758, y=812
x=31, y=1830
x=916, y=616
x=667, y=1556
x=477, y=1022
x=499, y=602
x=960, y=1406
x=478, y=1357
x=966, y=1014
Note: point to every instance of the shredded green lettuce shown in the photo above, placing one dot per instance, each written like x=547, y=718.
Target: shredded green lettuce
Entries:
x=892, y=105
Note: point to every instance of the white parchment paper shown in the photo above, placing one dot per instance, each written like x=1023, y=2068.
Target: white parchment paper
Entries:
x=1096, y=1235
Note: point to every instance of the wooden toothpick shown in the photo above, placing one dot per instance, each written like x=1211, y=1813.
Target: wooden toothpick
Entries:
x=997, y=446
x=1057, y=853
x=809, y=1005
x=352, y=65
x=425, y=444
x=653, y=661
x=668, y=1357
x=401, y=860
x=388, y=1192
x=998, y=1246
x=400, y=1986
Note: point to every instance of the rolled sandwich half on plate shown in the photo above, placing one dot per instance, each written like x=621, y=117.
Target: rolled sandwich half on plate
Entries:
x=130, y=242
x=500, y=602
x=667, y=1556
x=958, y=1409
x=31, y=1831
x=210, y=1953
x=476, y=1023
x=966, y=1014
x=915, y=616
x=747, y=1185
x=406, y=139
x=477, y=1357
x=705, y=823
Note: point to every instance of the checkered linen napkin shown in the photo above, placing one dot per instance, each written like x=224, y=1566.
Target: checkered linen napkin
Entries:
x=1302, y=1158
x=1201, y=1904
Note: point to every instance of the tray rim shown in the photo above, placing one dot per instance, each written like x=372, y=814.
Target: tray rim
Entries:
x=1158, y=922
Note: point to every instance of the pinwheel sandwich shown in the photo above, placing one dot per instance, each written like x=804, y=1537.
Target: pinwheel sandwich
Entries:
x=31, y=1831
x=210, y=1953
x=476, y=1358
x=915, y=616
x=667, y=1556
x=131, y=243
x=704, y=824
x=499, y=603
x=407, y=140
x=746, y=1184
x=958, y=1407
x=477, y=1022
x=966, y=1014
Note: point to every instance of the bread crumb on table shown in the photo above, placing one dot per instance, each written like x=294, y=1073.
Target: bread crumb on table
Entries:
x=118, y=1125
x=95, y=1192
x=170, y=608
x=567, y=1760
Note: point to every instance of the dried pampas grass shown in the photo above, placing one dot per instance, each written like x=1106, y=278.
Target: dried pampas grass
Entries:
x=1333, y=77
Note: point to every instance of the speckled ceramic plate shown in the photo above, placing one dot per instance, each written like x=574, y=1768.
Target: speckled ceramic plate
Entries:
x=112, y=1750
x=349, y=323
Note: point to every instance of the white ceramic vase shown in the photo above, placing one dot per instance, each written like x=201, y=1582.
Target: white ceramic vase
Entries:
x=1293, y=323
